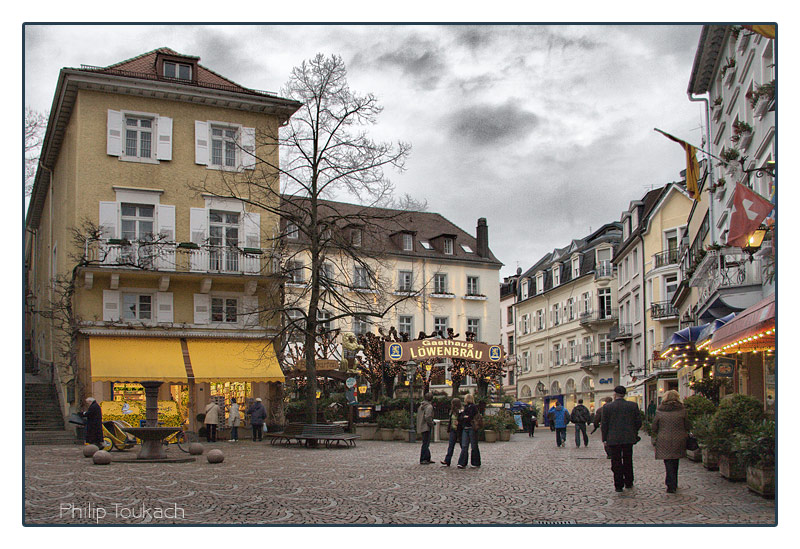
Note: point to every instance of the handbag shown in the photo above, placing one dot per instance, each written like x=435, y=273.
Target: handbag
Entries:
x=691, y=443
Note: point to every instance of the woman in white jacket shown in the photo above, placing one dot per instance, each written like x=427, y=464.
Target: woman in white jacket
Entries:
x=234, y=420
x=212, y=420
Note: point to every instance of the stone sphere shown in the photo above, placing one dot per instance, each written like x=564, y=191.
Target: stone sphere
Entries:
x=196, y=449
x=215, y=456
x=101, y=457
x=89, y=450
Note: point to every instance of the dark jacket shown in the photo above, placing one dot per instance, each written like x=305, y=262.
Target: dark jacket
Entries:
x=559, y=416
x=257, y=413
x=670, y=427
x=94, y=424
x=466, y=415
x=580, y=414
x=620, y=422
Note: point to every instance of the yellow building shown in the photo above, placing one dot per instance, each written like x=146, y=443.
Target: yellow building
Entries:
x=565, y=314
x=163, y=282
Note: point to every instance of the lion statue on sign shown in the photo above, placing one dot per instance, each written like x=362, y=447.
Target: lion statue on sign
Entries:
x=350, y=347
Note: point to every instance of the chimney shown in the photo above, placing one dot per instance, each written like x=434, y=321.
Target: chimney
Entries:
x=482, y=236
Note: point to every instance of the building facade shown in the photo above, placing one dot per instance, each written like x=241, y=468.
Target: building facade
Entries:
x=566, y=309
x=508, y=298
x=158, y=282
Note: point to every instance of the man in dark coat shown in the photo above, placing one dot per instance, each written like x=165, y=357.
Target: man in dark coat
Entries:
x=94, y=423
x=258, y=414
x=620, y=426
x=580, y=417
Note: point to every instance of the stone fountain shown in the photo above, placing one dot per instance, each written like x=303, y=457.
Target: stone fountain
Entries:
x=151, y=435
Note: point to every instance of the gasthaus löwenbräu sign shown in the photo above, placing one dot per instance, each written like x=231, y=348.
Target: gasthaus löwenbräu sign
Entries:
x=423, y=349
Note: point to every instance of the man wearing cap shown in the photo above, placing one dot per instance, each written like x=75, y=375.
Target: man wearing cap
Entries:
x=620, y=424
x=258, y=414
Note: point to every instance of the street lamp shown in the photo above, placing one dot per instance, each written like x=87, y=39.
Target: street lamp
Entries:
x=411, y=370
x=755, y=240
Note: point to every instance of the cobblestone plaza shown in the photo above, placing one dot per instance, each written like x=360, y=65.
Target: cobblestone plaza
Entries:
x=524, y=481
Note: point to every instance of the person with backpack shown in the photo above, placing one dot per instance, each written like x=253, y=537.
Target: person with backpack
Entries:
x=580, y=417
x=559, y=418
x=470, y=420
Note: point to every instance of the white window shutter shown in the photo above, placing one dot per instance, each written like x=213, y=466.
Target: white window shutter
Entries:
x=201, y=142
x=114, y=133
x=166, y=222
x=202, y=308
x=164, y=312
x=248, y=148
x=252, y=230
x=164, y=147
x=250, y=310
x=198, y=224
x=108, y=219
x=111, y=305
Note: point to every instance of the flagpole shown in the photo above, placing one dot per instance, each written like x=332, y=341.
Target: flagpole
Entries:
x=698, y=148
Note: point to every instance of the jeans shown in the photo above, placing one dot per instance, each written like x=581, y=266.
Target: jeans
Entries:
x=671, y=466
x=258, y=432
x=451, y=446
x=469, y=438
x=622, y=464
x=531, y=427
x=581, y=428
x=561, y=436
x=234, y=432
x=425, y=451
x=211, y=432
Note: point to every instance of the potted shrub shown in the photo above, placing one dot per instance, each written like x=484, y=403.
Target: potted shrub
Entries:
x=490, y=428
x=697, y=406
x=708, y=441
x=386, y=426
x=402, y=421
x=756, y=449
x=735, y=414
x=502, y=423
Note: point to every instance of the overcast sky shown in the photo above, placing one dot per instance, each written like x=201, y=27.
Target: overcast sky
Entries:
x=546, y=131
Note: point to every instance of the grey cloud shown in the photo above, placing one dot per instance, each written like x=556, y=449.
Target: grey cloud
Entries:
x=483, y=124
x=419, y=59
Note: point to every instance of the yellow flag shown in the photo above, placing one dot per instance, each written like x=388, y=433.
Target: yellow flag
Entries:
x=767, y=31
x=692, y=167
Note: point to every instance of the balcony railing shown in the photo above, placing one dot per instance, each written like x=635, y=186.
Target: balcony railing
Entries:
x=604, y=269
x=663, y=309
x=599, y=359
x=670, y=257
x=624, y=331
x=591, y=317
x=169, y=256
x=722, y=269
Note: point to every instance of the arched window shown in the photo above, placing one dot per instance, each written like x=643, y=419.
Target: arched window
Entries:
x=541, y=390
x=587, y=384
x=570, y=386
x=555, y=388
x=526, y=391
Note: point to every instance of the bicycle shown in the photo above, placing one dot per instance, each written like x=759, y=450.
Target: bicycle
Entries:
x=180, y=439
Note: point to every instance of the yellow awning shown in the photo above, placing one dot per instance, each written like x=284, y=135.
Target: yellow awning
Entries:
x=135, y=359
x=217, y=360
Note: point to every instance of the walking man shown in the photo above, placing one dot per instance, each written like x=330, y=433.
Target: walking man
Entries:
x=580, y=417
x=620, y=426
x=560, y=418
x=425, y=427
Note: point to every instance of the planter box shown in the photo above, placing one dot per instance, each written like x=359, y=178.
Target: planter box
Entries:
x=367, y=431
x=386, y=434
x=491, y=436
x=504, y=435
x=694, y=455
x=710, y=460
x=730, y=468
x=400, y=434
x=443, y=435
x=761, y=480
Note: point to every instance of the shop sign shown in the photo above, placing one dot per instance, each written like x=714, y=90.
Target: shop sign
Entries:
x=321, y=364
x=424, y=349
x=606, y=380
x=724, y=367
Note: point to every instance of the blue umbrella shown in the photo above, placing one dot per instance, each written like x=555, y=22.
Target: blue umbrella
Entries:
x=685, y=336
x=712, y=327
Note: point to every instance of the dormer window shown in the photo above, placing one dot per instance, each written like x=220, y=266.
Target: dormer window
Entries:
x=556, y=275
x=181, y=71
x=407, y=241
x=448, y=246
x=539, y=283
x=576, y=267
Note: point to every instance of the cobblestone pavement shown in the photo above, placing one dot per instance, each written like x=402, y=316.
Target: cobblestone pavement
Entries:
x=524, y=481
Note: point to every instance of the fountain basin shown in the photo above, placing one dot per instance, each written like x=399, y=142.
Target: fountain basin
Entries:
x=152, y=438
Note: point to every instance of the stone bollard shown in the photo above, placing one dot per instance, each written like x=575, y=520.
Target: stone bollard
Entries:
x=89, y=450
x=101, y=457
x=196, y=449
x=215, y=456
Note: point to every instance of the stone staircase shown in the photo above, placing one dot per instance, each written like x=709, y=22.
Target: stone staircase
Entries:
x=44, y=423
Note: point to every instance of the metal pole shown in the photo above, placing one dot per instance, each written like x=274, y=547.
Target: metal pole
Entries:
x=412, y=435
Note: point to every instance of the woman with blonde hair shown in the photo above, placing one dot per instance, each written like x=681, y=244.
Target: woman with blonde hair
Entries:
x=469, y=435
x=671, y=427
x=453, y=430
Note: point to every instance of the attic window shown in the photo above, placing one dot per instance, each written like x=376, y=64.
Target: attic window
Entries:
x=407, y=242
x=467, y=249
x=182, y=71
x=448, y=246
x=425, y=244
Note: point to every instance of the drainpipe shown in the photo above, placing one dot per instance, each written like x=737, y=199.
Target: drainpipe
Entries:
x=711, y=225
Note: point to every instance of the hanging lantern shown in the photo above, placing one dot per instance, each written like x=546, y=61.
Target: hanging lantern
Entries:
x=319, y=393
x=362, y=389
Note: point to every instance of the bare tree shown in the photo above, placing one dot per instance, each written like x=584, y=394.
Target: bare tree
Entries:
x=333, y=262
x=35, y=124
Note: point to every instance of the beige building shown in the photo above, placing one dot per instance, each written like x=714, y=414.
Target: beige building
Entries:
x=429, y=274
x=647, y=261
x=566, y=310
x=170, y=287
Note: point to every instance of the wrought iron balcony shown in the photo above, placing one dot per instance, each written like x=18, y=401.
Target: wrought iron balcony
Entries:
x=663, y=259
x=624, y=331
x=724, y=269
x=598, y=317
x=663, y=309
x=604, y=269
x=599, y=359
x=183, y=257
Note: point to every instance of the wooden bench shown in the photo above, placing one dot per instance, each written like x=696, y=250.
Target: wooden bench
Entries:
x=310, y=434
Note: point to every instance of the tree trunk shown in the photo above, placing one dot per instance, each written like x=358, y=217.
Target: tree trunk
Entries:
x=388, y=384
x=311, y=375
x=483, y=388
x=456, y=386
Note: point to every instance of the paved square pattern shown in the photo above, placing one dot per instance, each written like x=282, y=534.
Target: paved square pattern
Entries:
x=524, y=481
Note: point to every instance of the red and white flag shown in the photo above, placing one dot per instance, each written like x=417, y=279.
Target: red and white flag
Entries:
x=748, y=210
